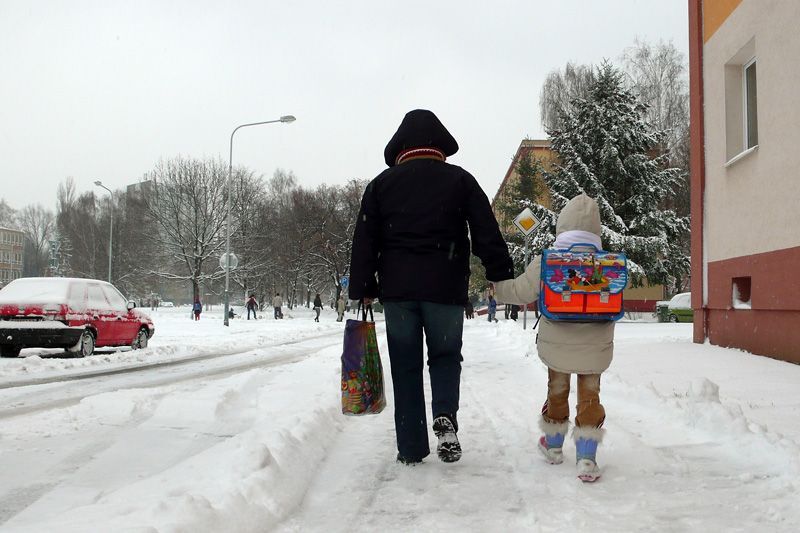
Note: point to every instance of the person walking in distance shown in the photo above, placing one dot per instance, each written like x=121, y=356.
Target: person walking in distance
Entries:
x=341, y=305
x=252, y=305
x=317, y=307
x=492, y=309
x=413, y=231
x=277, y=303
x=197, y=308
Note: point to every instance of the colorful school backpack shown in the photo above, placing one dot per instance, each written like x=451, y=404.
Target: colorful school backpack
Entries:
x=582, y=284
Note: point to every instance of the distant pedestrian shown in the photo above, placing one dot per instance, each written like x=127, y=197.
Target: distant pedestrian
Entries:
x=317, y=307
x=197, y=308
x=341, y=305
x=492, y=309
x=277, y=303
x=252, y=305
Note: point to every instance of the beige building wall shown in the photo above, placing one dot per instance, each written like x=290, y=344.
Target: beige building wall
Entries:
x=751, y=203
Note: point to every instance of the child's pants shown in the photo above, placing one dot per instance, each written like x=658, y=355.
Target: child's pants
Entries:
x=590, y=410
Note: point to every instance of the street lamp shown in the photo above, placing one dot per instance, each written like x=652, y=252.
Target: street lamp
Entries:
x=285, y=118
x=111, y=229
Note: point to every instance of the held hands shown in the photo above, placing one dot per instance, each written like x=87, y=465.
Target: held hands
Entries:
x=367, y=302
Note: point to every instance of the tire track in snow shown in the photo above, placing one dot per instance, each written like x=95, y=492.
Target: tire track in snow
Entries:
x=61, y=395
x=153, y=365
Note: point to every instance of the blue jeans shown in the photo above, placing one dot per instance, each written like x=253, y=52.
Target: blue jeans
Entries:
x=443, y=327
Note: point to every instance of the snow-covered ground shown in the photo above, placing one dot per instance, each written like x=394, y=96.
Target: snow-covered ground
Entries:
x=699, y=438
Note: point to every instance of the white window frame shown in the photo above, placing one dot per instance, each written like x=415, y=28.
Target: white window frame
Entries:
x=745, y=131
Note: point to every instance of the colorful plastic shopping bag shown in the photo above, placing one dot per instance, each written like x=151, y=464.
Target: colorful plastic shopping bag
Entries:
x=362, y=373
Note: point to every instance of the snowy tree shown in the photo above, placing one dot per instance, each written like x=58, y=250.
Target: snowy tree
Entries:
x=252, y=236
x=38, y=224
x=605, y=149
x=8, y=215
x=658, y=75
x=188, y=203
x=561, y=90
x=82, y=251
x=334, y=243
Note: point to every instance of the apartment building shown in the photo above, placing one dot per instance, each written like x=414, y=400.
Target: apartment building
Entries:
x=745, y=174
x=12, y=250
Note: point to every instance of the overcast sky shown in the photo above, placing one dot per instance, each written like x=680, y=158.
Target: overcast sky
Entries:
x=102, y=90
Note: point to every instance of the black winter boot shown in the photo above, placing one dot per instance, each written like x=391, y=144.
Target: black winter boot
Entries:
x=448, y=449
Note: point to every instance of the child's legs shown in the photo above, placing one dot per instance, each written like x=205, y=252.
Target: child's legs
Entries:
x=590, y=411
x=556, y=409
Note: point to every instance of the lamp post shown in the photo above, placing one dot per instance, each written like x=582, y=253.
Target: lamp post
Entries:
x=111, y=229
x=285, y=118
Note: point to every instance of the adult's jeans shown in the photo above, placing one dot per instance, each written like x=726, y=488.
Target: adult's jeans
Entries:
x=443, y=326
x=253, y=309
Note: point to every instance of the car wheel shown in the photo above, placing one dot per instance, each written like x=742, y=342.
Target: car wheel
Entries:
x=140, y=341
x=84, y=347
x=673, y=318
x=9, y=351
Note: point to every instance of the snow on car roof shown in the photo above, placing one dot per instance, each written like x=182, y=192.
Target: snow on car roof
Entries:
x=36, y=290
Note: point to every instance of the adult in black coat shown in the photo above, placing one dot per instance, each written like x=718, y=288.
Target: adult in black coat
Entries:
x=413, y=232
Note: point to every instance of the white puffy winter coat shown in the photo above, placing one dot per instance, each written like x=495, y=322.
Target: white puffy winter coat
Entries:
x=569, y=347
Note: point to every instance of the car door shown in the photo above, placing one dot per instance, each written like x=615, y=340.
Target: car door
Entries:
x=685, y=313
x=101, y=316
x=126, y=323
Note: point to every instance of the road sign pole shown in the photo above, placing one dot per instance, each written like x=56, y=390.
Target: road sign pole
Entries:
x=527, y=254
x=527, y=223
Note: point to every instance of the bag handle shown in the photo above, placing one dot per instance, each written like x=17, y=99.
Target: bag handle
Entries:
x=584, y=245
x=363, y=309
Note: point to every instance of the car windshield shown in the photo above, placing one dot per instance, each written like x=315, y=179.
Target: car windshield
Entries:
x=41, y=291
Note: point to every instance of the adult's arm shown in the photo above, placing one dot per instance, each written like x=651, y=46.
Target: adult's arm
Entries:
x=487, y=241
x=364, y=257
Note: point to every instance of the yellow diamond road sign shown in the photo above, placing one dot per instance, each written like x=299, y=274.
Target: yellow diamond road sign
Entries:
x=527, y=221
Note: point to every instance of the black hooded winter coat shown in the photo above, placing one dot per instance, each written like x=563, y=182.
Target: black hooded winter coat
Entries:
x=412, y=229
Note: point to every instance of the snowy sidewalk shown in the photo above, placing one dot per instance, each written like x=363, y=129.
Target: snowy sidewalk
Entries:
x=693, y=444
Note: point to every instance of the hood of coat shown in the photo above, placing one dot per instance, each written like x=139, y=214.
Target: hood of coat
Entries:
x=580, y=214
x=420, y=129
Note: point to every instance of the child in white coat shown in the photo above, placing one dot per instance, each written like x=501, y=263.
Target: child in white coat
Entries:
x=582, y=348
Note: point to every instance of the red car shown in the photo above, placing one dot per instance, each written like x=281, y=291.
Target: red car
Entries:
x=70, y=313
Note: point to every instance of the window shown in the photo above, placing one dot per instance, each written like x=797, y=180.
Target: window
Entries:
x=741, y=103
x=96, y=298
x=117, y=301
x=77, y=296
x=750, y=106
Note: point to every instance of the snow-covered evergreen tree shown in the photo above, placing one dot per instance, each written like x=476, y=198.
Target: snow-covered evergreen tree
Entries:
x=606, y=150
